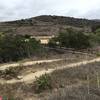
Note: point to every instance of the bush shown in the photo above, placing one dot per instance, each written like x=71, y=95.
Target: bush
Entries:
x=15, y=47
x=9, y=73
x=43, y=83
x=97, y=35
x=98, y=54
x=72, y=39
x=52, y=42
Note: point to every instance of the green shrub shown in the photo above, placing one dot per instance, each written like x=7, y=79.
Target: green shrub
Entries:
x=98, y=54
x=43, y=83
x=72, y=39
x=15, y=47
x=52, y=42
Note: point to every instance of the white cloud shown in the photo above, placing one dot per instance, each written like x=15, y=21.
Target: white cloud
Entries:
x=17, y=9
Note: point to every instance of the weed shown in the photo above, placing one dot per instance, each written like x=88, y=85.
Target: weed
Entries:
x=9, y=73
x=43, y=83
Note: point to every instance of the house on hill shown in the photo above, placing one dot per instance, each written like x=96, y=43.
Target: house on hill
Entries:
x=43, y=39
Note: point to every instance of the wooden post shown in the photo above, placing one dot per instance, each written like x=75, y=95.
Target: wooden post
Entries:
x=88, y=85
x=98, y=80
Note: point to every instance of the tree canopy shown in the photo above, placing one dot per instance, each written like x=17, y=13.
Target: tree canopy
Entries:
x=14, y=47
x=72, y=39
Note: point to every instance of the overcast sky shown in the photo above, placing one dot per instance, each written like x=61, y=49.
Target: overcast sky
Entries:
x=18, y=9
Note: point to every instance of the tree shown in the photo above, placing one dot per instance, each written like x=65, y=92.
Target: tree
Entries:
x=14, y=47
x=73, y=39
x=53, y=42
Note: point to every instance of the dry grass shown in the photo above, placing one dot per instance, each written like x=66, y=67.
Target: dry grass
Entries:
x=18, y=91
x=72, y=83
x=74, y=93
x=65, y=83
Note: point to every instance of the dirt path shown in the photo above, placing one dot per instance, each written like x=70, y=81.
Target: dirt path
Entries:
x=31, y=77
x=28, y=63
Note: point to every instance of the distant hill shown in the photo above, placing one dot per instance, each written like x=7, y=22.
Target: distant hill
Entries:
x=48, y=25
x=97, y=20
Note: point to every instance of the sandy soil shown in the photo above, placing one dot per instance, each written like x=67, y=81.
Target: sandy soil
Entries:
x=28, y=63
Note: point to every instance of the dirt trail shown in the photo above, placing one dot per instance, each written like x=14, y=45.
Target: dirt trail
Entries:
x=28, y=63
x=31, y=77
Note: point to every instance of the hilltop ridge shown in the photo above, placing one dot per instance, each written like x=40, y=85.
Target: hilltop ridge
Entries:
x=48, y=25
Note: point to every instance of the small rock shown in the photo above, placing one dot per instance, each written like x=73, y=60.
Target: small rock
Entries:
x=19, y=77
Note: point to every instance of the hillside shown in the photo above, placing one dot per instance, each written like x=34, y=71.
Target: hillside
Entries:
x=47, y=25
